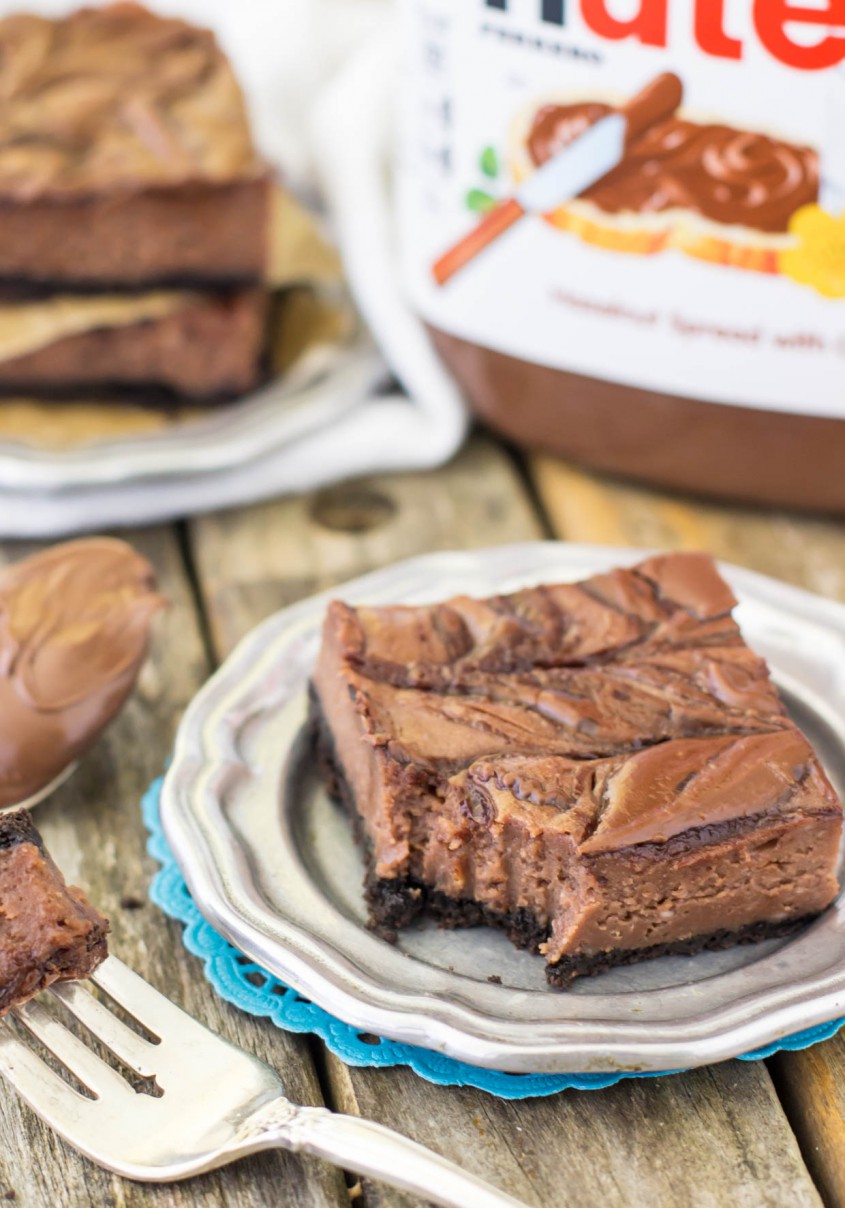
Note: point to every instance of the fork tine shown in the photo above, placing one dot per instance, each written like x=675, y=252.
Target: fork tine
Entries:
x=41, y=1087
x=130, y=1048
x=139, y=999
x=84, y=1064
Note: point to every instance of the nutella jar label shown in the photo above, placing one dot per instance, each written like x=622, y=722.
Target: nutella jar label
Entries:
x=651, y=192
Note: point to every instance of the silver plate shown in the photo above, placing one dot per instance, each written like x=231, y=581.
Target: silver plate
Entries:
x=271, y=863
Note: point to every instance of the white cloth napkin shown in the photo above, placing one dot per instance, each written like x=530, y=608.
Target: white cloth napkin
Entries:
x=319, y=78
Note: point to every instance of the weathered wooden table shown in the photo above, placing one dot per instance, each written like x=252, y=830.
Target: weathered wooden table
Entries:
x=734, y=1135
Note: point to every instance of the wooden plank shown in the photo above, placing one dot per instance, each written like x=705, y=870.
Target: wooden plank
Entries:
x=709, y=1138
x=256, y=560
x=699, y=1140
x=812, y=1087
x=94, y=829
x=806, y=550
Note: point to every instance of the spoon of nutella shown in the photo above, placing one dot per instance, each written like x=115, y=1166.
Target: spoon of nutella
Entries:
x=74, y=629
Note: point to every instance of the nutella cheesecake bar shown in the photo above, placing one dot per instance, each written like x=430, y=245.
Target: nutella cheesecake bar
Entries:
x=127, y=165
x=603, y=769
x=48, y=930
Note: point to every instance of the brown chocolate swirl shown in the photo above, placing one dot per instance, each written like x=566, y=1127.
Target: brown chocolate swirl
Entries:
x=116, y=97
x=730, y=176
x=74, y=628
x=625, y=660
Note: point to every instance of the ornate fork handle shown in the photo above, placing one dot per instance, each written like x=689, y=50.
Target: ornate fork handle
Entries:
x=369, y=1149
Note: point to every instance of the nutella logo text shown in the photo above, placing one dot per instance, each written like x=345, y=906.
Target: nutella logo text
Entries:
x=806, y=36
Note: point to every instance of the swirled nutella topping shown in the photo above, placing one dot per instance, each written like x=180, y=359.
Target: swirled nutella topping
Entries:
x=623, y=661
x=74, y=628
x=650, y=796
x=727, y=175
x=116, y=97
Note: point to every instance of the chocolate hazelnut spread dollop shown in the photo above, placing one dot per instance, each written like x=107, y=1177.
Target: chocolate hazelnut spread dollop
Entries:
x=74, y=628
x=671, y=308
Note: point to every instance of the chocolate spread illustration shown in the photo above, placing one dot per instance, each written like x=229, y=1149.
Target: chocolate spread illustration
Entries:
x=704, y=188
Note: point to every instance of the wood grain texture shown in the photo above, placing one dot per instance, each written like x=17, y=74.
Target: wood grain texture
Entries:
x=94, y=830
x=705, y=1139
x=256, y=560
x=812, y=1087
x=710, y=1138
x=808, y=551
x=805, y=550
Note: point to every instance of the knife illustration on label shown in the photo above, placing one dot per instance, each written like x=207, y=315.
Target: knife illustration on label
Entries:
x=585, y=160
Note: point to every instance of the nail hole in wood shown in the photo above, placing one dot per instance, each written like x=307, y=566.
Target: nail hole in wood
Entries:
x=352, y=509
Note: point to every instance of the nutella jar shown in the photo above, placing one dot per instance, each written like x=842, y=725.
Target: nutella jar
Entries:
x=623, y=222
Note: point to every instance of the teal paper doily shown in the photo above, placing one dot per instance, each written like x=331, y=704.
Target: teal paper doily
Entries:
x=240, y=981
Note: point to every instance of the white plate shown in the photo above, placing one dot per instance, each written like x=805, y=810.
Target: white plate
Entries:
x=324, y=384
x=271, y=863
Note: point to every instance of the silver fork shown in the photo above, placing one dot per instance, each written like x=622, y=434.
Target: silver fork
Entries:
x=217, y=1104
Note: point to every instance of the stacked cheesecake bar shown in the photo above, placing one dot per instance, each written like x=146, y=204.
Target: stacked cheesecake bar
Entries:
x=134, y=210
